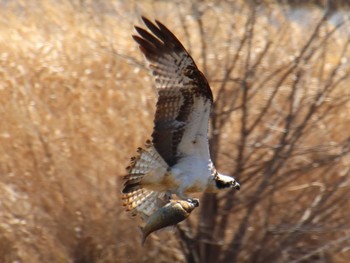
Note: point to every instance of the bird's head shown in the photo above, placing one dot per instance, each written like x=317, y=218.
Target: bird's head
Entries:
x=224, y=182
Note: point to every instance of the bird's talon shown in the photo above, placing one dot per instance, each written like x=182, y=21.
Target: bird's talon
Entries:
x=194, y=201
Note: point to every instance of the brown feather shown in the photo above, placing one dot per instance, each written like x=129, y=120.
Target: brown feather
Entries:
x=135, y=198
x=179, y=84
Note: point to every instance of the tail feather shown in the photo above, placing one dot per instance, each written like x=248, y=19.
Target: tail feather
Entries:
x=147, y=160
x=137, y=199
x=143, y=202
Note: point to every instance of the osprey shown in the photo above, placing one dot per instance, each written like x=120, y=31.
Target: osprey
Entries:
x=177, y=160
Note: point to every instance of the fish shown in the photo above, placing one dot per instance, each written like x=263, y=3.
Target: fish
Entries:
x=170, y=214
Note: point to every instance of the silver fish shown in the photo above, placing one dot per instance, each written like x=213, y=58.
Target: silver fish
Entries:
x=171, y=214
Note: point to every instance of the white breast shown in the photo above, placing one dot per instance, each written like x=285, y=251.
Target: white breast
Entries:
x=192, y=174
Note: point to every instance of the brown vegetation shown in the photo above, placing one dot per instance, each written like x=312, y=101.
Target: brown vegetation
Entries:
x=76, y=101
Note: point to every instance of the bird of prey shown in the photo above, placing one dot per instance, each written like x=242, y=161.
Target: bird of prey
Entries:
x=176, y=162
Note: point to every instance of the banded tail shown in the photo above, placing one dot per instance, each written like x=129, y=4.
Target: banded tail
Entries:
x=135, y=198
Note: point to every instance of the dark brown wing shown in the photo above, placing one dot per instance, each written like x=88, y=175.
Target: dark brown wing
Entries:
x=184, y=93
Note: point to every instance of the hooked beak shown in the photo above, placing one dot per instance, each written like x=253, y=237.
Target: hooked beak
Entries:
x=236, y=185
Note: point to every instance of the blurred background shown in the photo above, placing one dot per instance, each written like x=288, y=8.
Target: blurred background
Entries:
x=76, y=100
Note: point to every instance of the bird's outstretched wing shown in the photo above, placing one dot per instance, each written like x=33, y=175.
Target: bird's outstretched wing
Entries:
x=185, y=98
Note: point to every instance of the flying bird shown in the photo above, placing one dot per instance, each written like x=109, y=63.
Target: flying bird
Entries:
x=177, y=160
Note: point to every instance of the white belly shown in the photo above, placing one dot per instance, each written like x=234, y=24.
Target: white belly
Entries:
x=192, y=174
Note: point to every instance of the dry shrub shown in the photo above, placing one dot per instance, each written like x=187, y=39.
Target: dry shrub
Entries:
x=76, y=100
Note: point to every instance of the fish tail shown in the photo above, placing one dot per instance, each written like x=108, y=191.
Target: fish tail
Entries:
x=144, y=235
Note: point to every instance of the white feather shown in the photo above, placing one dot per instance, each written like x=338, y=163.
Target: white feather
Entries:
x=195, y=138
x=194, y=165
